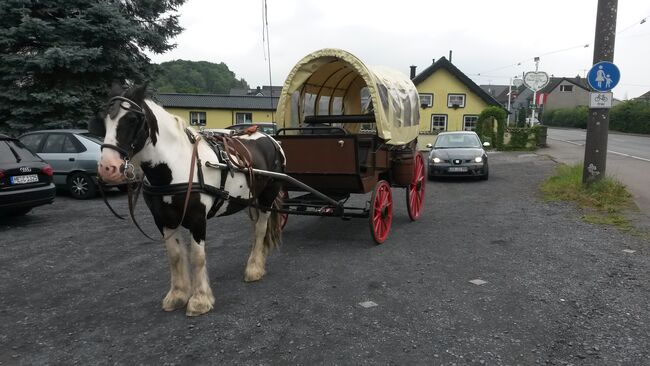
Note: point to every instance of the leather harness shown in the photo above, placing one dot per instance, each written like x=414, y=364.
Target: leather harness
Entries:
x=230, y=151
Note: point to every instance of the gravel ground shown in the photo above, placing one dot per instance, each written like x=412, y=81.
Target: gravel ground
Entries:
x=78, y=286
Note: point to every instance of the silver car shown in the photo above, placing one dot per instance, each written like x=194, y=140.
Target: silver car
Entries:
x=457, y=154
x=73, y=155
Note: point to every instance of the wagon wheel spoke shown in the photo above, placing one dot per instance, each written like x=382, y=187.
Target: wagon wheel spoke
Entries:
x=381, y=212
x=415, y=191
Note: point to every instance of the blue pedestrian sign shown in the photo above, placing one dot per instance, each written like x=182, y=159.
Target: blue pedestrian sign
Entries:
x=603, y=76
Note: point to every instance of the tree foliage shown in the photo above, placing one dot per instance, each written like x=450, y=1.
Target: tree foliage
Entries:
x=195, y=77
x=485, y=126
x=58, y=58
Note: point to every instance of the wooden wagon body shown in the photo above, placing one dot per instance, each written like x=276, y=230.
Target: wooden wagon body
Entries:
x=347, y=128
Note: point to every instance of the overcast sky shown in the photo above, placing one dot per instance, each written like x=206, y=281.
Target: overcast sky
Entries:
x=488, y=38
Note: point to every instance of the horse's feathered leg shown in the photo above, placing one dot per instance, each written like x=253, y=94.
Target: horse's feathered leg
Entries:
x=179, y=291
x=202, y=299
x=255, y=268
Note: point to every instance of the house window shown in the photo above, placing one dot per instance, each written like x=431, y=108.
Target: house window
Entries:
x=426, y=100
x=469, y=123
x=243, y=117
x=566, y=88
x=438, y=122
x=197, y=118
x=456, y=100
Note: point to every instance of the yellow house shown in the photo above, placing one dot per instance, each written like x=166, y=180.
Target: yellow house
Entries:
x=219, y=111
x=449, y=100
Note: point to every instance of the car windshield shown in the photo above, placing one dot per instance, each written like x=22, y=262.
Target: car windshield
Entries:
x=12, y=151
x=457, y=141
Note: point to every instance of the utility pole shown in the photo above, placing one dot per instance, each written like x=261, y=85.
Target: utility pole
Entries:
x=598, y=118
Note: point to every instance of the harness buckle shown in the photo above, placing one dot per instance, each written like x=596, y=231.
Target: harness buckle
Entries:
x=129, y=171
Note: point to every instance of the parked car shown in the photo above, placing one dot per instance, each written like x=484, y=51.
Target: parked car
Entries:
x=266, y=127
x=73, y=154
x=25, y=179
x=458, y=154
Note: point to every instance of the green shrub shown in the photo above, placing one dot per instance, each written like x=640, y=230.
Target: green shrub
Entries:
x=566, y=117
x=630, y=116
x=485, y=127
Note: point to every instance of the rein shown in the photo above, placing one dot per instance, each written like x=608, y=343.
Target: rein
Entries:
x=230, y=150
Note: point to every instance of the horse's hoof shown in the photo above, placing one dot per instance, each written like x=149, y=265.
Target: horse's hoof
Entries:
x=253, y=275
x=174, y=300
x=199, y=305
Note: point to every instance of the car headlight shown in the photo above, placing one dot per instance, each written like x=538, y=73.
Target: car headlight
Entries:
x=436, y=160
x=478, y=159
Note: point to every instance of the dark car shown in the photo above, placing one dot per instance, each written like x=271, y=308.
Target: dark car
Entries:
x=458, y=154
x=73, y=155
x=25, y=179
x=266, y=127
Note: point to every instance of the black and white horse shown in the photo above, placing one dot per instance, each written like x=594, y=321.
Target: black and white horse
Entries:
x=139, y=132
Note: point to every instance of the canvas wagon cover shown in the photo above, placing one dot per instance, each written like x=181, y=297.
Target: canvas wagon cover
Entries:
x=335, y=82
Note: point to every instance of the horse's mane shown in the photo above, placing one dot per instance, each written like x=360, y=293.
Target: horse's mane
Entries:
x=179, y=122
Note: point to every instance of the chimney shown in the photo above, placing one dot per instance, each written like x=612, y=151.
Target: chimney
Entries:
x=449, y=56
x=413, y=67
x=258, y=91
x=433, y=61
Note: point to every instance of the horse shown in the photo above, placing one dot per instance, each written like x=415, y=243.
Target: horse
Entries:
x=180, y=189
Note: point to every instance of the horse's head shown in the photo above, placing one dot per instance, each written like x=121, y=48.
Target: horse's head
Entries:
x=126, y=128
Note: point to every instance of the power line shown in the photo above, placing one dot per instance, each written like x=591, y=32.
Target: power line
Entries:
x=583, y=45
x=265, y=37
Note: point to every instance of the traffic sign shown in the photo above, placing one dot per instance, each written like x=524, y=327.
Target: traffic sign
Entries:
x=603, y=76
x=600, y=100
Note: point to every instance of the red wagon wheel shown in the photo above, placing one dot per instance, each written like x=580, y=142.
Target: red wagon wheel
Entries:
x=415, y=190
x=284, y=217
x=381, y=211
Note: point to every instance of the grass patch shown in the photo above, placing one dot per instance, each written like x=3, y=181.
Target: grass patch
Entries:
x=605, y=200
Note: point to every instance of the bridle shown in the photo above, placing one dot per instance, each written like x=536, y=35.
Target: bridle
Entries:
x=140, y=138
x=128, y=169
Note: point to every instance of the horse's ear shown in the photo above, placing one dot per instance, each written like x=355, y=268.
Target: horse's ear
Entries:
x=116, y=90
x=96, y=125
x=139, y=93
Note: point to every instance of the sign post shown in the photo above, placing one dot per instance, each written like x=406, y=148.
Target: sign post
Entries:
x=535, y=81
x=602, y=77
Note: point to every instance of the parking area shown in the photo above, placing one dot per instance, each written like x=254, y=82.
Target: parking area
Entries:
x=490, y=274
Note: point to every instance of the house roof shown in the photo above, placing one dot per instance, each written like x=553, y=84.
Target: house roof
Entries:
x=265, y=90
x=216, y=101
x=554, y=82
x=645, y=96
x=443, y=63
x=498, y=92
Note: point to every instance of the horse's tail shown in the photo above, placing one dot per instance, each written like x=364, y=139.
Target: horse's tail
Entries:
x=274, y=228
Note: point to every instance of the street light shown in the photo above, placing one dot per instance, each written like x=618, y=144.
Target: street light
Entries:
x=516, y=81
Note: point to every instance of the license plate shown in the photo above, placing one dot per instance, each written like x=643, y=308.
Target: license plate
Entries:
x=22, y=179
x=457, y=169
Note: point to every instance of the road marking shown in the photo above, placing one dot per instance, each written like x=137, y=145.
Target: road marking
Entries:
x=368, y=304
x=629, y=251
x=478, y=282
x=610, y=151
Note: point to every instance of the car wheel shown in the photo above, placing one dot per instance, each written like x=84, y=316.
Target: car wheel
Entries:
x=81, y=186
x=20, y=211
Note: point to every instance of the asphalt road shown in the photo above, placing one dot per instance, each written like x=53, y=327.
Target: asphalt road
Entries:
x=628, y=158
x=81, y=287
